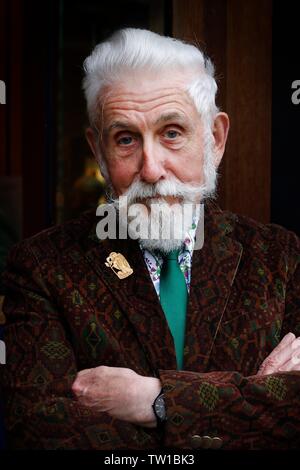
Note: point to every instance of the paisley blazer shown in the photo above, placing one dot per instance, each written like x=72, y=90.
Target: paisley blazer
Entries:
x=66, y=310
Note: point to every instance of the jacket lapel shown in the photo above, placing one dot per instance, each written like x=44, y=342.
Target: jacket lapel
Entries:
x=213, y=271
x=136, y=296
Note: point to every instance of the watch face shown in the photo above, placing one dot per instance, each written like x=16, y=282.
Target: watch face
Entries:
x=160, y=409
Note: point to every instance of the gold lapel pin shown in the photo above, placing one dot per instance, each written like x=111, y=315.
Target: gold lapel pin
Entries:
x=119, y=264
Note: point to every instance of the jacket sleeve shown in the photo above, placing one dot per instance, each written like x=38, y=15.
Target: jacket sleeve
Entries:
x=255, y=412
x=40, y=410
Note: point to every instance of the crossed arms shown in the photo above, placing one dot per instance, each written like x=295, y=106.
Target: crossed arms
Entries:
x=128, y=396
x=56, y=406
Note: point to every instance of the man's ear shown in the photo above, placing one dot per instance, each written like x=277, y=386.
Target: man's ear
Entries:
x=90, y=137
x=220, y=133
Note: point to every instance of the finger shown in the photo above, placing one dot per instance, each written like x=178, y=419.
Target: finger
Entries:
x=269, y=364
x=80, y=391
x=291, y=353
x=80, y=375
x=279, y=356
x=281, y=361
x=287, y=352
x=83, y=377
x=289, y=367
x=76, y=388
x=292, y=363
x=296, y=343
x=285, y=342
x=82, y=380
x=83, y=391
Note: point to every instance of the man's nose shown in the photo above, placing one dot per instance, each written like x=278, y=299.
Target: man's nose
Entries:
x=152, y=165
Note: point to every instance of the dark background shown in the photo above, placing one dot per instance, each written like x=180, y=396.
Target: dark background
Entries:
x=46, y=170
x=285, y=187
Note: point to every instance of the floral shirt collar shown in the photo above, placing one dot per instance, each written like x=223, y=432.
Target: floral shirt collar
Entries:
x=154, y=260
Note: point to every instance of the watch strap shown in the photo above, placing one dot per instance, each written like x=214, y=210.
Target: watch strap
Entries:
x=160, y=417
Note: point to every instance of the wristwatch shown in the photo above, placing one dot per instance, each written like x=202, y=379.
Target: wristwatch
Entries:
x=159, y=408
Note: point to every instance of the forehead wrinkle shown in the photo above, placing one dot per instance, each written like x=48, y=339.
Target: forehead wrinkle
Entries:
x=139, y=107
x=140, y=103
x=157, y=92
x=138, y=100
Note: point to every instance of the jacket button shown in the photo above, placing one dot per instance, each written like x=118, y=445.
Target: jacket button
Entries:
x=196, y=441
x=206, y=442
x=216, y=443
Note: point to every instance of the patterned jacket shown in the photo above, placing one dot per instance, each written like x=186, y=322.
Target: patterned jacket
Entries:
x=67, y=311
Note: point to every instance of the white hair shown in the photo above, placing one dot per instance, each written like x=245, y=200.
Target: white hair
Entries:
x=133, y=49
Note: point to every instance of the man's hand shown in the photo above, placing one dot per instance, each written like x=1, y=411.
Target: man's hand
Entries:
x=120, y=392
x=284, y=358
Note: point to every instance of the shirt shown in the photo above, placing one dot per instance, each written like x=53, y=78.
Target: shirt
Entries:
x=154, y=260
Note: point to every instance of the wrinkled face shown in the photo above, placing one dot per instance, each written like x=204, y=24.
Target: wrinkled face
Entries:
x=157, y=152
x=151, y=130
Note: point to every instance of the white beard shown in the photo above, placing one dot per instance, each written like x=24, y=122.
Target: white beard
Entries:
x=177, y=219
x=164, y=226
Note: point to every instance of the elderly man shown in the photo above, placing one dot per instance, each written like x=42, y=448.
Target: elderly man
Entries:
x=144, y=342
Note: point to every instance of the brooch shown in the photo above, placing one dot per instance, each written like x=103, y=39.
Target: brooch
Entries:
x=119, y=264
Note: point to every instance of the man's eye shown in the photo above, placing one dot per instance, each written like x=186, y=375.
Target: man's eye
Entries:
x=126, y=140
x=172, y=134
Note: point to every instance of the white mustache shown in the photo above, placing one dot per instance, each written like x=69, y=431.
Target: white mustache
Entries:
x=172, y=187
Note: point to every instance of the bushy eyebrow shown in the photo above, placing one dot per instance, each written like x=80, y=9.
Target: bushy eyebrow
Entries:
x=116, y=125
x=170, y=117
x=123, y=125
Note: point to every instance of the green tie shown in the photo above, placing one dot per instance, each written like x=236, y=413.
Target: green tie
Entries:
x=173, y=299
